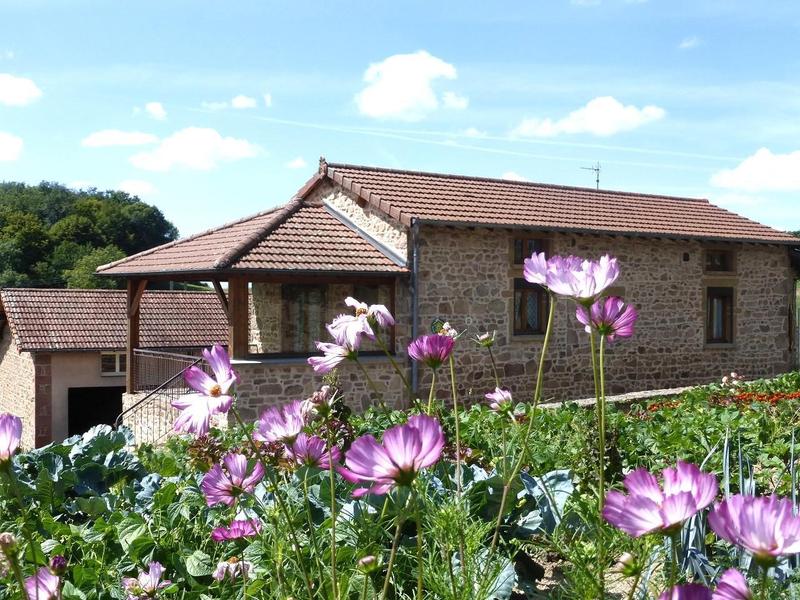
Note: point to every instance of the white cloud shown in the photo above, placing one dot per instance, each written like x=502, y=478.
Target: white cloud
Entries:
x=763, y=171
x=514, y=176
x=115, y=137
x=156, y=110
x=195, y=148
x=214, y=105
x=401, y=86
x=453, y=100
x=18, y=91
x=136, y=187
x=473, y=132
x=297, y=163
x=602, y=116
x=689, y=43
x=242, y=101
x=267, y=99
x=10, y=146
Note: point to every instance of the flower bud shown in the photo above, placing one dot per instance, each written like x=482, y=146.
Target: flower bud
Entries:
x=8, y=543
x=626, y=565
x=58, y=565
x=367, y=564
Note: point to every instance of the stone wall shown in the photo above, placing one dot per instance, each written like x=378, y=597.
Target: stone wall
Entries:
x=473, y=289
x=17, y=395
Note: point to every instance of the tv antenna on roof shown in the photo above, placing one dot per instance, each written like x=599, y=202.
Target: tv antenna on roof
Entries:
x=596, y=169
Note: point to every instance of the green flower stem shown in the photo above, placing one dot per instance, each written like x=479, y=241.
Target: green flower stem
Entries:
x=393, y=551
x=13, y=483
x=420, y=542
x=311, y=529
x=601, y=419
x=674, y=568
x=244, y=577
x=12, y=560
x=281, y=504
x=332, y=482
x=537, y=395
x=365, y=588
x=764, y=582
x=494, y=367
x=635, y=585
x=373, y=385
x=396, y=367
x=432, y=393
x=459, y=482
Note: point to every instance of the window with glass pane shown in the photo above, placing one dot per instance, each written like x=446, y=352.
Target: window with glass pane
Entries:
x=530, y=308
x=524, y=247
x=719, y=260
x=303, y=317
x=112, y=363
x=719, y=315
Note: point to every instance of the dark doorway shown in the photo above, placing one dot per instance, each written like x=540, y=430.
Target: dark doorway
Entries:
x=92, y=406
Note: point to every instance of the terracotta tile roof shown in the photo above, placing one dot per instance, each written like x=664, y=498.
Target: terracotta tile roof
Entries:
x=294, y=237
x=408, y=195
x=70, y=319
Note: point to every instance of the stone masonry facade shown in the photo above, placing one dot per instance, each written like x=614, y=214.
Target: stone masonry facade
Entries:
x=17, y=386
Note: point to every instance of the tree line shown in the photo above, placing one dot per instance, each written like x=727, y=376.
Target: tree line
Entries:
x=54, y=236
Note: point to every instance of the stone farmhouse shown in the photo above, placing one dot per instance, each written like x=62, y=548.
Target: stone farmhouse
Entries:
x=715, y=290
x=62, y=352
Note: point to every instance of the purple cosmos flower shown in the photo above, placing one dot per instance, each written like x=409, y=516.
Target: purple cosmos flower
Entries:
x=281, y=423
x=534, y=269
x=405, y=450
x=225, y=485
x=648, y=509
x=500, y=400
x=58, y=565
x=610, y=317
x=431, y=349
x=10, y=435
x=213, y=392
x=147, y=584
x=765, y=525
x=232, y=568
x=239, y=528
x=574, y=277
x=377, y=314
x=311, y=450
x=333, y=354
x=688, y=591
x=732, y=586
x=347, y=331
x=44, y=585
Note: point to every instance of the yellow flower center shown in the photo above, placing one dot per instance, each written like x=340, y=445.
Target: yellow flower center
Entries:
x=215, y=390
x=361, y=311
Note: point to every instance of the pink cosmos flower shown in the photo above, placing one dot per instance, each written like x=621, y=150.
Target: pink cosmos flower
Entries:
x=239, y=528
x=609, y=316
x=225, y=485
x=281, y=423
x=213, y=392
x=732, y=586
x=571, y=276
x=10, y=435
x=500, y=400
x=333, y=354
x=763, y=525
x=232, y=568
x=311, y=450
x=405, y=450
x=147, y=584
x=347, y=331
x=648, y=509
x=431, y=349
x=534, y=269
x=688, y=591
x=43, y=585
x=375, y=313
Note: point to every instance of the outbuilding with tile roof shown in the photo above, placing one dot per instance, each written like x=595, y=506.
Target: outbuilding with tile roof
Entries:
x=715, y=290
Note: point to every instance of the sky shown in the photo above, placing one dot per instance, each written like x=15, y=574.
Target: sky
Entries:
x=216, y=110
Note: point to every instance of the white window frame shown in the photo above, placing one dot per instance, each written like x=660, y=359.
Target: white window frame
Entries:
x=116, y=372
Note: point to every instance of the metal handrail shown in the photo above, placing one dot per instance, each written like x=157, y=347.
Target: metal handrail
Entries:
x=151, y=393
x=162, y=353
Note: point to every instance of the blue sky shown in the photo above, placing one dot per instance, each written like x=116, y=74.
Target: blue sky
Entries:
x=215, y=110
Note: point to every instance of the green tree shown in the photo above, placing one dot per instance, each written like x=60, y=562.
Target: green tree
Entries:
x=82, y=274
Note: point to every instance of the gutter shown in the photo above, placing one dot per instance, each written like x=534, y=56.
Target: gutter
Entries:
x=414, y=298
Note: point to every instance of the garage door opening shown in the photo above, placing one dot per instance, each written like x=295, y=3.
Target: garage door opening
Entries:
x=92, y=406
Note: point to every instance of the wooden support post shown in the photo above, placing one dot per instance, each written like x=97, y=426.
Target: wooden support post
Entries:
x=135, y=291
x=223, y=299
x=238, y=317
